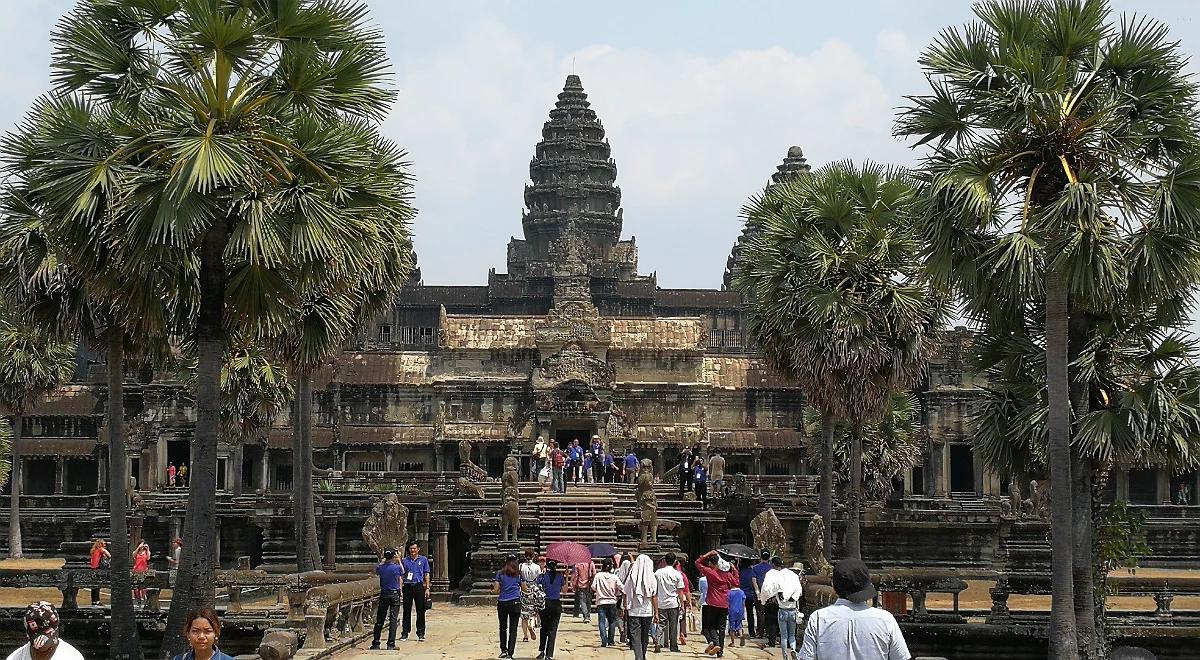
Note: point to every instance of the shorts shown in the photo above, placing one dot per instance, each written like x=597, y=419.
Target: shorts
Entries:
x=735, y=622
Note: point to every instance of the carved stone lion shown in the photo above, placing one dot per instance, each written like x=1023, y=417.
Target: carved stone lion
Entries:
x=387, y=526
x=769, y=533
x=647, y=503
x=814, y=547
x=467, y=488
x=510, y=514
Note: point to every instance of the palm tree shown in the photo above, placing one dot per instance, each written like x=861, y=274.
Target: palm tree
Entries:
x=33, y=366
x=237, y=127
x=891, y=446
x=1056, y=136
x=836, y=298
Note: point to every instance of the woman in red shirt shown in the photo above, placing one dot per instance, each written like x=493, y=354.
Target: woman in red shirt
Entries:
x=721, y=579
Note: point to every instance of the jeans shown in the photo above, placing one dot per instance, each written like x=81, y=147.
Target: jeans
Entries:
x=607, y=615
x=508, y=611
x=753, y=627
x=702, y=494
x=715, y=619
x=639, y=635
x=671, y=616
x=770, y=621
x=787, y=631
x=557, y=484
x=389, y=610
x=550, y=616
x=414, y=593
x=583, y=604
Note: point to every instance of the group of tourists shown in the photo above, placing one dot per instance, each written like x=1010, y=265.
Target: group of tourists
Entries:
x=554, y=466
x=177, y=476
x=695, y=475
x=99, y=557
x=201, y=629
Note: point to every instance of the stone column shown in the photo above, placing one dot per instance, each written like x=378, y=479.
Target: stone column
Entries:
x=239, y=460
x=440, y=580
x=1121, y=475
x=937, y=469
x=908, y=481
x=439, y=456
x=159, y=464
x=60, y=469
x=217, y=545
x=756, y=462
x=1163, y=479
x=176, y=529
x=135, y=531
x=264, y=462
x=102, y=471
x=421, y=521
x=329, y=562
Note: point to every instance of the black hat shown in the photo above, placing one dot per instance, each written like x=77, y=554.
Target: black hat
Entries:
x=765, y=555
x=389, y=553
x=852, y=581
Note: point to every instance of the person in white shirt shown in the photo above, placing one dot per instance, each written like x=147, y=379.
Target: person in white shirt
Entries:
x=670, y=586
x=641, y=603
x=41, y=627
x=850, y=629
x=607, y=590
x=787, y=590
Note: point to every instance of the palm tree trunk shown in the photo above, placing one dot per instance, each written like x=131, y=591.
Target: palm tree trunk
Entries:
x=1081, y=509
x=308, y=555
x=195, y=582
x=14, y=506
x=825, y=504
x=124, y=643
x=1063, y=639
x=854, y=501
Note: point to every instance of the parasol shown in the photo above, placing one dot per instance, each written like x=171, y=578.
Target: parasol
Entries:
x=738, y=550
x=599, y=550
x=568, y=552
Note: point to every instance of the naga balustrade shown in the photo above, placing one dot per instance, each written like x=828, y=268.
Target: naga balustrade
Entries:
x=335, y=611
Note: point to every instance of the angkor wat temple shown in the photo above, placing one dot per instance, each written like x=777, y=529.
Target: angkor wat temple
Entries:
x=570, y=342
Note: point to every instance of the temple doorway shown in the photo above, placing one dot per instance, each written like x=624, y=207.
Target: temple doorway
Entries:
x=962, y=469
x=1143, y=486
x=39, y=476
x=179, y=453
x=564, y=437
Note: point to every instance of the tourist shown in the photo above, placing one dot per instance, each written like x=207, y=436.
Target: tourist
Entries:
x=850, y=627
x=641, y=607
x=558, y=461
x=202, y=629
x=746, y=584
x=1184, y=495
x=721, y=578
x=685, y=472
x=390, y=574
x=767, y=625
x=170, y=475
x=141, y=566
x=576, y=457
x=783, y=588
x=537, y=458
x=582, y=575
x=415, y=589
x=702, y=586
x=672, y=588
x=597, y=453
x=551, y=584
x=508, y=606
x=610, y=467
x=737, y=615
x=183, y=473
x=41, y=628
x=685, y=603
x=631, y=467
x=700, y=481
x=607, y=589
x=98, y=558
x=173, y=560
x=532, y=596
x=716, y=474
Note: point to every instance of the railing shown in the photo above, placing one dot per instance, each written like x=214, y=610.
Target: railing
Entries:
x=1162, y=589
x=334, y=612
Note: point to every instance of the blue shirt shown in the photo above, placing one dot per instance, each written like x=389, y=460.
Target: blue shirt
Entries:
x=415, y=570
x=745, y=580
x=576, y=453
x=737, y=603
x=553, y=585
x=389, y=576
x=760, y=571
x=608, y=460
x=631, y=461
x=218, y=654
x=701, y=475
x=510, y=586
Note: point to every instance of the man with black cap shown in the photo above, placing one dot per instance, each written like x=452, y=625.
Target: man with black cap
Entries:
x=41, y=627
x=390, y=573
x=851, y=629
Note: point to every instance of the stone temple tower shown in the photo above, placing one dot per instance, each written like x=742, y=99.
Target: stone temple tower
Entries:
x=572, y=221
x=793, y=165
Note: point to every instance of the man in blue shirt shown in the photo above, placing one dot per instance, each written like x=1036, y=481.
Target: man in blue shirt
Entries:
x=416, y=589
x=746, y=582
x=768, y=623
x=576, y=455
x=390, y=574
x=631, y=467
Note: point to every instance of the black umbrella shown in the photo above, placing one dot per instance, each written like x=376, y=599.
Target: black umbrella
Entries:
x=602, y=549
x=738, y=550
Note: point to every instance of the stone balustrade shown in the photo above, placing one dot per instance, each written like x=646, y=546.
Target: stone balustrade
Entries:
x=915, y=583
x=332, y=612
x=1162, y=589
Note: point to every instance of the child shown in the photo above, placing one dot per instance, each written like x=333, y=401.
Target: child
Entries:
x=737, y=612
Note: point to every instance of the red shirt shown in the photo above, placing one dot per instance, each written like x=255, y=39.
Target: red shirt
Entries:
x=559, y=458
x=719, y=584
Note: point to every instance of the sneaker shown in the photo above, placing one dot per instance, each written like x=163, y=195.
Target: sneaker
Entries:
x=540, y=656
x=420, y=638
x=404, y=638
x=391, y=647
x=375, y=647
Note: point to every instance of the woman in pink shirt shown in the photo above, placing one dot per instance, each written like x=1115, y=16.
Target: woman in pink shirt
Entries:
x=721, y=578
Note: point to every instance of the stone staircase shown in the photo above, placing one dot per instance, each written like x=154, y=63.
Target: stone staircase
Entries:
x=584, y=515
x=1026, y=549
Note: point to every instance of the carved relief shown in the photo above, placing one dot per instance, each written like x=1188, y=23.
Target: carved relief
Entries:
x=387, y=526
x=573, y=362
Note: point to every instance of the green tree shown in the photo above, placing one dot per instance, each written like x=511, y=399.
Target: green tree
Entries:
x=33, y=366
x=242, y=131
x=837, y=300
x=1060, y=144
x=892, y=446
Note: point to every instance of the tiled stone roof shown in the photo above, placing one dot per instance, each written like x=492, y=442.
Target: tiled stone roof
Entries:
x=687, y=334
x=747, y=439
x=70, y=447
x=419, y=434
x=489, y=332
x=740, y=372
x=280, y=437
x=408, y=368
x=70, y=400
x=477, y=430
x=517, y=332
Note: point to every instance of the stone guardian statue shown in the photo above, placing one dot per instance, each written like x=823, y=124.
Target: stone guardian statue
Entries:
x=647, y=503
x=814, y=547
x=769, y=533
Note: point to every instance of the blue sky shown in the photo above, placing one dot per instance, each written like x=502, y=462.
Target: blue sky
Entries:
x=700, y=99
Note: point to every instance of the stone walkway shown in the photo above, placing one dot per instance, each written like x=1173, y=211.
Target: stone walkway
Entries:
x=471, y=633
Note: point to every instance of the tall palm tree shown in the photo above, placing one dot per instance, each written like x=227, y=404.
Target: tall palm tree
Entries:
x=236, y=127
x=33, y=365
x=836, y=297
x=1055, y=136
x=891, y=446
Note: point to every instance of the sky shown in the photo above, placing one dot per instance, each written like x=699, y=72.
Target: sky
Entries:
x=700, y=99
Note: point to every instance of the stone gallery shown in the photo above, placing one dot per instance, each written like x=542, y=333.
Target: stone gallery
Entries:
x=439, y=404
